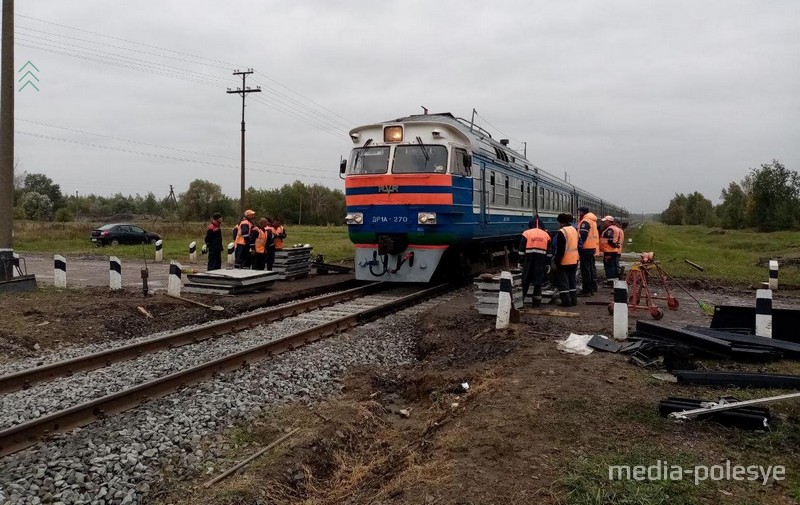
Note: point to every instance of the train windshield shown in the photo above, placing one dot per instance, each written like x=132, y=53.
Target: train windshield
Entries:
x=369, y=160
x=418, y=158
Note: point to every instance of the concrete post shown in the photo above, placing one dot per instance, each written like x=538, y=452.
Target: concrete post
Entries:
x=620, y=310
x=159, y=250
x=773, y=275
x=764, y=313
x=115, y=274
x=193, y=252
x=60, y=271
x=504, y=301
x=174, y=285
x=231, y=249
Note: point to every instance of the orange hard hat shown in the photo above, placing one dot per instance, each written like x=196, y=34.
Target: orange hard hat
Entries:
x=249, y=213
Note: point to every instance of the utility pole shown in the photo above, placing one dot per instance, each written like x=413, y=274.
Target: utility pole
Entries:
x=7, y=143
x=243, y=91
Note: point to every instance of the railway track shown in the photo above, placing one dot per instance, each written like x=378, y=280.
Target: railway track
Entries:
x=333, y=315
x=27, y=378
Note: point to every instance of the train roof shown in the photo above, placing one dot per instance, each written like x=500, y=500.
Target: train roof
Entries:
x=482, y=139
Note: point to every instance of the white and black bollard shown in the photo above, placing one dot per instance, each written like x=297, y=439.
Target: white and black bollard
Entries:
x=114, y=274
x=764, y=313
x=773, y=275
x=16, y=271
x=231, y=250
x=193, y=252
x=60, y=271
x=620, y=310
x=159, y=250
x=504, y=301
x=174, y=283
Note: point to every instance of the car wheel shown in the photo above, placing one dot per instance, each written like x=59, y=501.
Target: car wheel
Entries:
x=153, y=241
x=115, y=242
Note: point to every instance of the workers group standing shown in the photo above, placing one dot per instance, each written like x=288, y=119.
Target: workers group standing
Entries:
x=590, y=240
x=242, y=239
x=213, y=242
x=566, y=260
x=263, y=238
x=611, y=246
x=536, y=244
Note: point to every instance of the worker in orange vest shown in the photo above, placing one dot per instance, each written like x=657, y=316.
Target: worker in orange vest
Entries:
x=241, y=237
x=280, y=233
x=590, y=239
x=536, y=244
x=262, y=238
x=610, y=247
x=566, y=260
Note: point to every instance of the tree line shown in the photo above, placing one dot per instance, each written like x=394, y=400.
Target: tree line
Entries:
x=38, y=197
x=767, y=199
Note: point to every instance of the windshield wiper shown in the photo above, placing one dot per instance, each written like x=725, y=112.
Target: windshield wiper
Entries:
x=358, y=154
x=424, y=151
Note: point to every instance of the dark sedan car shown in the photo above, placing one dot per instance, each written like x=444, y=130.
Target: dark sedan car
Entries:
x=116, y=234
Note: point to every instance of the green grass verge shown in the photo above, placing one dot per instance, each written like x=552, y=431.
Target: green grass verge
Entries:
x=587, y=480
x=73, y=239
x=729, y=255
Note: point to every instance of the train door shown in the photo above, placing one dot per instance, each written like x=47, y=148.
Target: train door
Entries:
x=484, y=217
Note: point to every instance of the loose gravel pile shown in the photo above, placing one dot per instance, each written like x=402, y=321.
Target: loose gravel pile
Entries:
x=117, y=460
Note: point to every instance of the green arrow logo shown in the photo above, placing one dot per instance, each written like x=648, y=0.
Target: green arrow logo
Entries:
x=28, y=76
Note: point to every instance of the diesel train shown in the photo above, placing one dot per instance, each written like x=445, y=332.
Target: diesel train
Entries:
x=434, y=193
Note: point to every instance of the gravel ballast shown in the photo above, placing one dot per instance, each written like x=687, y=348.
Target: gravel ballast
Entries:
x=118, y=459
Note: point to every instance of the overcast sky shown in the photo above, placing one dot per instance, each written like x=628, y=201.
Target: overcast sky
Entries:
x=635, y=100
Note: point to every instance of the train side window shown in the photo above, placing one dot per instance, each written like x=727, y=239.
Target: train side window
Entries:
x=540, y=203
x=521, y=194
x=459, y=166
x=491, y=181
x=507, y=191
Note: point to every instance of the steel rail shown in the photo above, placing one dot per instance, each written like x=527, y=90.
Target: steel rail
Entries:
x=24, y=435
x=26, y=378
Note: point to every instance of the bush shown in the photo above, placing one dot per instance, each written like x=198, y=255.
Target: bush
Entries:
x=64, y=215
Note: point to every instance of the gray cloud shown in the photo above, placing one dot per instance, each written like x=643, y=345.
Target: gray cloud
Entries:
x=635, y=100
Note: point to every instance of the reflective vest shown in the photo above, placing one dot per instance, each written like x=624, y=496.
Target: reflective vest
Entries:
x=278, y=241
x=261, y=240
x=611, y=232
x=241, y=239
x=593, y=238
x=570, y=246
x=537, y=241
x=270, y=230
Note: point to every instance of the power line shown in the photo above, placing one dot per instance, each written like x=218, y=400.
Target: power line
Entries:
x=148, y=69
x=229, y=64
x=127, y=40
x=112, y=56
x=157, y=155
x=205, y=79
x=188, y=151
x=112, y=46
x=498, y=129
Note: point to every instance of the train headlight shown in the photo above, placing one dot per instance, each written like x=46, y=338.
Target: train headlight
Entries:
x=354, y=218
x=393, y=134
x=426, y=218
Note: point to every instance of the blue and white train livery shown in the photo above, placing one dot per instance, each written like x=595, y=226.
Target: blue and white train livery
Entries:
x=433, y=191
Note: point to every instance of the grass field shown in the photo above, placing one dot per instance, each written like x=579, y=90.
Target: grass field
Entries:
x=73, y=239
x=730, y=255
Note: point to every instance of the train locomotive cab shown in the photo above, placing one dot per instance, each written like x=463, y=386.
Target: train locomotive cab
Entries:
x=407, y=185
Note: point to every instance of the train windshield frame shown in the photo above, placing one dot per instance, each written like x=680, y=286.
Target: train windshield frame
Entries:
x=369, y=160
x=420, y=159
